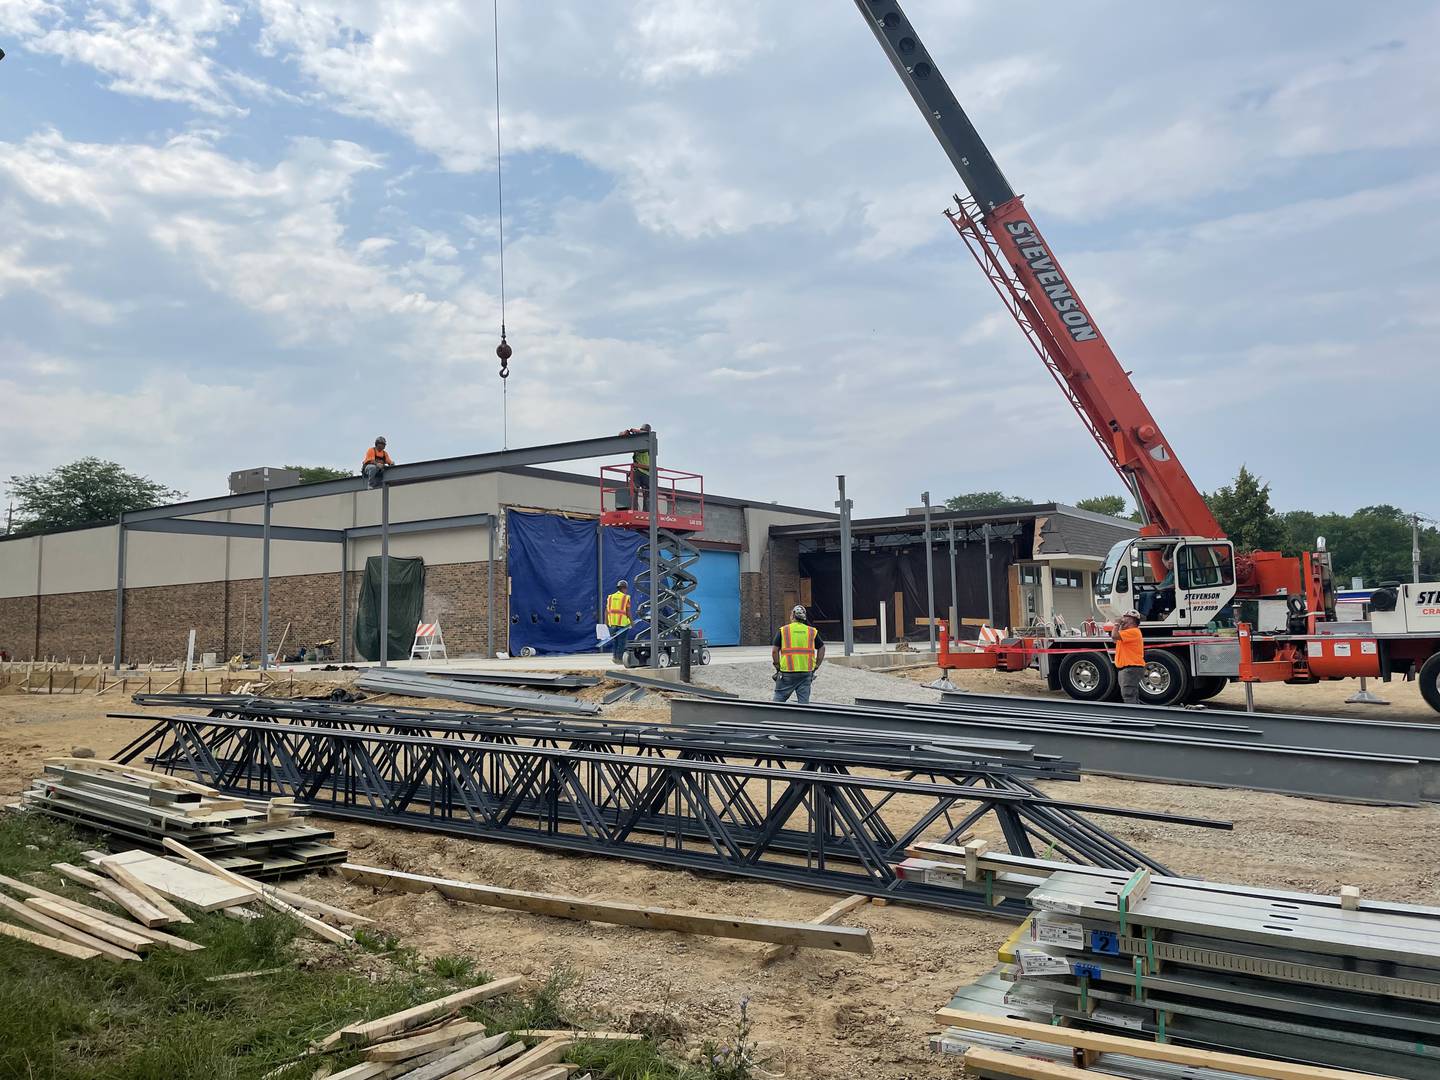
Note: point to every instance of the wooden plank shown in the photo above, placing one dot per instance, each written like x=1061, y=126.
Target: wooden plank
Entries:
x=403, y=1049
x=366, y=1070
x=548, y=1052
x=553, y=1072
x=181, y=882
x=160, y=937
x=236, y=975
x=127, y=877
x=808, y=935
x=66, y=931
x=830, y=915
x=997, y=1063
x=577, y=1035
x=315, y=926
x=98, y=928
x=80, y=876
x=1119, y=1044
x=364, y=1033
x=44, y=941
x=485, y=1065
x=470, y=1052
x=144, y=913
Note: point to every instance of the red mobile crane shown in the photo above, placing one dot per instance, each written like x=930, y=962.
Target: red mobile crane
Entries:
x=1180, y=573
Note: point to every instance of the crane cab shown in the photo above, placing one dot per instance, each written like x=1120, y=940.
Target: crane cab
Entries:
x=1172, y=581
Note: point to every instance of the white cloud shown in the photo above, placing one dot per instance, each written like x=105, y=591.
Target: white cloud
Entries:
x=676, y=38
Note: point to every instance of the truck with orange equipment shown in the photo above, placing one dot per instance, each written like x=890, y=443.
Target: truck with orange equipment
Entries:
x=1210, y=615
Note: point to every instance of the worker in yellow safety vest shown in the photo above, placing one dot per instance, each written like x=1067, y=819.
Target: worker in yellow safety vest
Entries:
x=639, y=470
x=617, y=619
x=797, y=653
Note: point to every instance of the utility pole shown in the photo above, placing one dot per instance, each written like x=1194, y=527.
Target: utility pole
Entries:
x=1415, y=548
x=929, y=570
x=847, y=585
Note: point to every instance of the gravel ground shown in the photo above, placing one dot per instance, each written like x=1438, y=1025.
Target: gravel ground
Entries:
x=834, y=685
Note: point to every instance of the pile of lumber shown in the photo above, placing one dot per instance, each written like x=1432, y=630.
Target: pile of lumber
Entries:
x=153, y=893
x=434, y=1042
x=262, y=839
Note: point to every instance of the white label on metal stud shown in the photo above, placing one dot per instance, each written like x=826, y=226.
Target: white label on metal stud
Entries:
x=1033, y=962
x=1066, y=935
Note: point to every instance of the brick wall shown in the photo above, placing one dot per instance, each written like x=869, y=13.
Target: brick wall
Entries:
x=760, y=611
x=226, y=615
x=18, y=622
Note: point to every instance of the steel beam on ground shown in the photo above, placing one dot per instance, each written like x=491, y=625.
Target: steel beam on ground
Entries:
x=1345, y=776
x=1290, y=729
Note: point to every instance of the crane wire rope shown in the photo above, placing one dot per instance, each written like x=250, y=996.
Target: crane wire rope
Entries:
x=503, y=350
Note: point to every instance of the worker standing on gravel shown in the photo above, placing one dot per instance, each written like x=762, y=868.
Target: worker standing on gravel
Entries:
x=797, y=653
x=617, y=619
x=1129, y=656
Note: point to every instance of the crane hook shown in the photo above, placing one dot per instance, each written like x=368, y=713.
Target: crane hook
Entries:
x=504, y=352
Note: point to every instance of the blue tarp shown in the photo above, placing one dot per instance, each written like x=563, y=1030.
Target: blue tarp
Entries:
x=554, y=594
x=555, y=598
x=718, y=595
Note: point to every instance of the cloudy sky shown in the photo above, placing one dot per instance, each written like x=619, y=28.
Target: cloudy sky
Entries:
x=246, y=232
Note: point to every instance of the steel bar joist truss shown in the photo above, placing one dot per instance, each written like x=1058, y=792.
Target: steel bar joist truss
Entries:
x=180, y=518
x=783, y=814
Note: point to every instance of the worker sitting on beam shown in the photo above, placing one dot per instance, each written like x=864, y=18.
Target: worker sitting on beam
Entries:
x=376, y=461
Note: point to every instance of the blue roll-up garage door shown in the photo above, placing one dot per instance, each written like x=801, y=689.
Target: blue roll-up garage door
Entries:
x=719, y=596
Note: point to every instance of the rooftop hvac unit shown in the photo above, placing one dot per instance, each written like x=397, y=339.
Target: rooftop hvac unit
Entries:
x=247, y=481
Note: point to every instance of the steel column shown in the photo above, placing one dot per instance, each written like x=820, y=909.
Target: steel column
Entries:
x=265, y=587
x=490, y=587
x=989, y=579
x=929, y=570
x=954, y=588
x=344, y=599
x=384, y=572
x=119, y=593
x=847, y=581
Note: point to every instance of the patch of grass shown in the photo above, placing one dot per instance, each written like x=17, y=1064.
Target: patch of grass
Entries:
x=160, y=1018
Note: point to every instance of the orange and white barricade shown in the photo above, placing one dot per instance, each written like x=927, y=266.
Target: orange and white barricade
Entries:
x=429, y=642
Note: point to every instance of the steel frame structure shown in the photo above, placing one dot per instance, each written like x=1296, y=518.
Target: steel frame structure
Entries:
x=179, y=518
x=793, y=814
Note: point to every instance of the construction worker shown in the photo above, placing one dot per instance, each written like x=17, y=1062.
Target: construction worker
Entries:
x=376, y=462
x=1129, y=656
x=617, y=619
x=797, y=653
x=640, y=469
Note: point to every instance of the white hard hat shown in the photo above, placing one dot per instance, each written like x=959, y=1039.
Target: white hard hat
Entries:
x=798, y=612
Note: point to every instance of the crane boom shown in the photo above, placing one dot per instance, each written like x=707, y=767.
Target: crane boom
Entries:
x=1023, y=268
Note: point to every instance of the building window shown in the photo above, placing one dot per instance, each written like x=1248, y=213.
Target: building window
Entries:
x=1069, y=579
x=1029, y=575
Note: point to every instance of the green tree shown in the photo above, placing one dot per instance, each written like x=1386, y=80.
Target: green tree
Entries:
x=1244, y=512
x=1114, y=505
x=984, y=500
x=314, y=474
x=85, y=491
x=1373, y=543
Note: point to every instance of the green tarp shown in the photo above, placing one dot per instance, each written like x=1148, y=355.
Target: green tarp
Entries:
x=407, y=599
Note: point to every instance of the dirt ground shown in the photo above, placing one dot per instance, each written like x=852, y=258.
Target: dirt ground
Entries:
x=815, y=1014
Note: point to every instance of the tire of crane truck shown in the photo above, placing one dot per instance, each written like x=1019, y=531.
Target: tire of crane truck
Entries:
x=1165, y=681
x=1430, y=681
x=1204, y=687
x=1088, y=676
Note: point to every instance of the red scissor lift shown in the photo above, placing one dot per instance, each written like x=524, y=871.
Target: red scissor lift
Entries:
x=680, y=512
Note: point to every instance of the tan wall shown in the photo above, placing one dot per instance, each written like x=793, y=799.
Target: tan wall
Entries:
x=19, y=563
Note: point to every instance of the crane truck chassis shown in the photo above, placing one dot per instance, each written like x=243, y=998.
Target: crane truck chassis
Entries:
x=1209, y=615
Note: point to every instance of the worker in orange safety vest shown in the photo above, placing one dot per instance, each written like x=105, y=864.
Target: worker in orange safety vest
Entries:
x=376, y=462
x=797, y=653
x=617, y=619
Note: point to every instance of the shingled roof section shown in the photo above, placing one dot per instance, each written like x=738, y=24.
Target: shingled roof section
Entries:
x=1072, y=531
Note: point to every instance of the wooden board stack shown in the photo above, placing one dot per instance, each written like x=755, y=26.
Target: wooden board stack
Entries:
x=432, y=1041
x=259, y=839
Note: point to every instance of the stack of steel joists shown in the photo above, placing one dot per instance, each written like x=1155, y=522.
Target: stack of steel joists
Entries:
x=256, y=838
x=1353, y=761
x=1335, y=981
x=419, y=684
x=822, y=809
